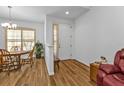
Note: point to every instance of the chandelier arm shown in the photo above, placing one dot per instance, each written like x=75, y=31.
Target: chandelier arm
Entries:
x=10, y=18
x=9, y=25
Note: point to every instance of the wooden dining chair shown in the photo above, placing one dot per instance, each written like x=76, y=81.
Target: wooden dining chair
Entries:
x=0, y=61
x=56, y=64
x=29, y=58
x=6, y=62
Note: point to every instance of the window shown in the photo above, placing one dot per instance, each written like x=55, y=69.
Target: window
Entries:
x=22, y=39
x=55, y=40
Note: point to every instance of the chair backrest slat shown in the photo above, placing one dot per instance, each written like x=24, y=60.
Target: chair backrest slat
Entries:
x=31, y=53
x=4, y=56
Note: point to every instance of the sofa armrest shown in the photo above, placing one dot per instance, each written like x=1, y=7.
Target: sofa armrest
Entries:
x=109, y=68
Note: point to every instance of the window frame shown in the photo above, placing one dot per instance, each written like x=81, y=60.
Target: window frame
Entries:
x=20, y=28
x=56, y=27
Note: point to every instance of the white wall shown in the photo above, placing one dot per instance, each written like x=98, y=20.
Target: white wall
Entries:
x=100, y=32
x=48, y=45
x=38, y=26
x=48, y=37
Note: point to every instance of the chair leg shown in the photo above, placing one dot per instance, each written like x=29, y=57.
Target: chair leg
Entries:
x=56, y=68
x=23, y=62
x=58, y=65
x=8, y=73
x=13, y=65
x=20, y=69
x=31, y=62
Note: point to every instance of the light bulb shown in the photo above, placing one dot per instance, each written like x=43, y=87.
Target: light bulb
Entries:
x=67, y=12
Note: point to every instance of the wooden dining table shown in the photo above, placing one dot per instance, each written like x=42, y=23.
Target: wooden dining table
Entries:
x=18, y=54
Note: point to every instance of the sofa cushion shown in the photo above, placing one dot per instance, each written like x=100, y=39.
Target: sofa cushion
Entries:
x=121, y=65
x=119, y=77
x=109, y=69
x=110, y=80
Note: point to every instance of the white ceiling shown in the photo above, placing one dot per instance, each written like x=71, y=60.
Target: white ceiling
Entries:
x=37, y=13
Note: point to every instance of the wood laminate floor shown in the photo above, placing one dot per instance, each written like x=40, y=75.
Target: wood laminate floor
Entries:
x=70, y=73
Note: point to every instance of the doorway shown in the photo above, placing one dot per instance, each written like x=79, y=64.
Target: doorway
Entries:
x=65, y=41
x=62, y=41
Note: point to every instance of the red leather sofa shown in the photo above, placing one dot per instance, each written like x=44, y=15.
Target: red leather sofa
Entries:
x=112, y=75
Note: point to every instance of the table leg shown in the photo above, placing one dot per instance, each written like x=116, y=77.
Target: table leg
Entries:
x=19, y=61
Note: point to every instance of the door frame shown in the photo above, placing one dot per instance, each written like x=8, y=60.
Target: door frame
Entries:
x=69, y=26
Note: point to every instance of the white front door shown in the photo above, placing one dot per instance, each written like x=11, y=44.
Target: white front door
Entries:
x=65, y=41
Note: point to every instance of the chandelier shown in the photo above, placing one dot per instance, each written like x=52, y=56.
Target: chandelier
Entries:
x=9, y=25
